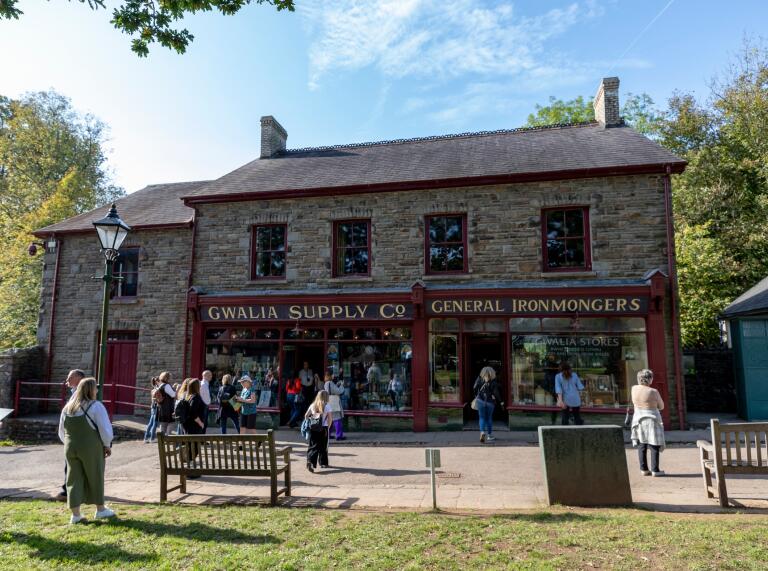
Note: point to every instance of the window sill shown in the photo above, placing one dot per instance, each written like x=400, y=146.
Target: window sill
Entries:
x=123, y=300
x=351, y=279
x=436, y=277
x=267, y=281
x=566, y=275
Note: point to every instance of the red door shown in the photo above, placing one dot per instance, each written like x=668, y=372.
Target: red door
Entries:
x=120, y=378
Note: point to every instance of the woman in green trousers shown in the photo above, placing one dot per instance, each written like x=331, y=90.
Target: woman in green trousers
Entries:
x=86, y=431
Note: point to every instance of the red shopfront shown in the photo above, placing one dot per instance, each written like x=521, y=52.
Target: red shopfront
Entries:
x=433, y=342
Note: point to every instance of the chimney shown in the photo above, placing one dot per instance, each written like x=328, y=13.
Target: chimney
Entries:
x=273, y=137
x=606, y=103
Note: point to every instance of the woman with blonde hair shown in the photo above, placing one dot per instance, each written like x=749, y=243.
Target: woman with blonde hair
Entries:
x=86, y=432
x=487, y=396
x=319, y=416
x=647, y=426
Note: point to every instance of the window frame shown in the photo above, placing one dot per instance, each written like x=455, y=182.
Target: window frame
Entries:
x=118, y=274
x=464, y=242
x=335, y=247
x=255, y=252
x=587, y=267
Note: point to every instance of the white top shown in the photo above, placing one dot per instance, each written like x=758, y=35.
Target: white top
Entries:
x=98, y=414
x=205, y=392
x=307, y=377
x=311, y=411
x=169, y=391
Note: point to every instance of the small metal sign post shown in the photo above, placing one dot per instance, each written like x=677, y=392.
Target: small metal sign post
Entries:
x=433, y=461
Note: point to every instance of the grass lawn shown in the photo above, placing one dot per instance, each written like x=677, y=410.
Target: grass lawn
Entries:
x=35, y=534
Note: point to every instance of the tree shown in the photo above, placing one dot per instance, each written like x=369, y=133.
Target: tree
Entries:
x=51, y=167
x=149, y=21
x=638, y=111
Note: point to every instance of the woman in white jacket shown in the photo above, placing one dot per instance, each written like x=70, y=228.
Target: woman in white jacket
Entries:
x=335, y=389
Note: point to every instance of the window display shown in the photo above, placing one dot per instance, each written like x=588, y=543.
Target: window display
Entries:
x=606, y=354
x=445, y=377
x=257, y=359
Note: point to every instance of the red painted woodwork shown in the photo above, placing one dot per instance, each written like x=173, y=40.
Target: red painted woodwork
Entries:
x=586, y=237
x=120, y=378
x=657, y=359
x=420, y=374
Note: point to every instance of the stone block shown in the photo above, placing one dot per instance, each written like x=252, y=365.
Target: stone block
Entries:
x=585, y=465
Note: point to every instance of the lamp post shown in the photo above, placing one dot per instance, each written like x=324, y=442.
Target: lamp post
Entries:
x=111, y=232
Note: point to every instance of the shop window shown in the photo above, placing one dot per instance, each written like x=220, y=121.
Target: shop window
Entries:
x=268, y=334
x=444, y=325
x=565, y=237
x=126, y=267
x=259, y=360
x=397, y=333
x=372, y=334
x=268, y=251
x=216, y=334
x=444, y=368
x=376, y=375
x=337, y=334
x=241, y=334
x=446, y=250
x=352, y=248
x=606, y=362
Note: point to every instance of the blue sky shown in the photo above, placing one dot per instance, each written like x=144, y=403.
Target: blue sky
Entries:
x=343, y=71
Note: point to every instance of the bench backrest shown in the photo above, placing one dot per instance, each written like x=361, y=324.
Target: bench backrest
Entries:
x=219, y=452
x=742, y=444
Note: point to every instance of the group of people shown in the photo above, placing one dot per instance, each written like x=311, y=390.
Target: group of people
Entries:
x=302, y=392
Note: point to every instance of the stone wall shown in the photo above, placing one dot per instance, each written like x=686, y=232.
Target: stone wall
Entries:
x=20, y=364
x=157, y=313
x=628, y=233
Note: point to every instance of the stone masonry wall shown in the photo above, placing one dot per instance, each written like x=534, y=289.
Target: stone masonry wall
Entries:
x=504, y=232
x=157, y=313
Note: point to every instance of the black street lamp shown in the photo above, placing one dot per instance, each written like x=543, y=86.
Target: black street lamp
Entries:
x=111, y=232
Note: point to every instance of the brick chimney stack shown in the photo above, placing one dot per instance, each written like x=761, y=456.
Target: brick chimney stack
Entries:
x=606, y=103
x=273, y=137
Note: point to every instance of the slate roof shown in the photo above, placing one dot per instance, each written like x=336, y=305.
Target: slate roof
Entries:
x=154, y=205
x=752, y=302
x=578, y=147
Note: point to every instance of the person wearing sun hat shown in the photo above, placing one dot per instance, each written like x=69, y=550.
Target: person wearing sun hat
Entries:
x=248, y=411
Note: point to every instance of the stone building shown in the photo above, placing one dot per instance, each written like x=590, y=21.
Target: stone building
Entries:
x=401, y=266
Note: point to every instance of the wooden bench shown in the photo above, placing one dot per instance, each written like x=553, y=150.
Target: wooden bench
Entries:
x=223, y=455
x=745, y=449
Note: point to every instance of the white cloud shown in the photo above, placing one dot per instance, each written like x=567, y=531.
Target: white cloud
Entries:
x=433, y=38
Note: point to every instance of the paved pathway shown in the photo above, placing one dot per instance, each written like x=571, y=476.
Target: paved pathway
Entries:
x=372, y=471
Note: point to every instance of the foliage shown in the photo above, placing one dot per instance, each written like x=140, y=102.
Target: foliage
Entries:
x=36, y=535
x=149, y=21
x=51, y=168
x=638, y=111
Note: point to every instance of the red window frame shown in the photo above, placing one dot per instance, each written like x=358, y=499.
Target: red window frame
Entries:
x=255, y=251
x=335, y=247
x=427, y=244
x=586, y=237
x=115, y=292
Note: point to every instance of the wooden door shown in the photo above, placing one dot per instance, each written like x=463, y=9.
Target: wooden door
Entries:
x=120, y=378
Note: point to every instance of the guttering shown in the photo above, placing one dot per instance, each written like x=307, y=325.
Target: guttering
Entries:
x=170, y=226
x=52, y=320
x=435, y=183
x=677, y=354
x=193, y=226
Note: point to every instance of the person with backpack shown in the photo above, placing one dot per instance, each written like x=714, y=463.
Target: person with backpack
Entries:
x=318, y=418
x=191, y=411
x=151, y=430
x=227, y=393
x=487, y=396
x=164, y=396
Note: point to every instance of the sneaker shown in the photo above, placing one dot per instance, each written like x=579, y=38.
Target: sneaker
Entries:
x=490, y=438
x=104, y=514
x=309, y=467
x=77, y=519
x=482, y=437
x=645, y=472
x=658, y=473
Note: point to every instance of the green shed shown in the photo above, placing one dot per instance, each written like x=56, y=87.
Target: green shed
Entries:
x=747, y=321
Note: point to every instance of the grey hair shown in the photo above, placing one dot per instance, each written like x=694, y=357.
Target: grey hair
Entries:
x=488, y=374
x=644, y=377
x=77, y=373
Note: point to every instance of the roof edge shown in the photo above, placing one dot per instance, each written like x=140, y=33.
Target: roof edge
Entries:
x=42, y=233
x=400, y=186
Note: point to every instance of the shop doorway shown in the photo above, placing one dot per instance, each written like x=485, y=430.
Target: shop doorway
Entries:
x=294, y=356
x=484, y=350
x=120, y=371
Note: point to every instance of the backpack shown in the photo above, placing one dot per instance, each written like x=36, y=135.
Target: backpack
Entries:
x=165, y=405
x=181, y=411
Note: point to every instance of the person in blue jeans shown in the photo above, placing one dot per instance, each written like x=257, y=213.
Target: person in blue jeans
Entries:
x=567, y=387
x=227, y=392
x=488, y=396
x=151, y=431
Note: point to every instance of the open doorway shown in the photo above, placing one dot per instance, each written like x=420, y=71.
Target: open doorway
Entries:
x=294, y=357
x=484, y=350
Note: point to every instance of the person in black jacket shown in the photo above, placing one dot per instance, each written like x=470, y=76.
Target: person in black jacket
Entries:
x=196, y=411
x=488, y=396
x=227, y=392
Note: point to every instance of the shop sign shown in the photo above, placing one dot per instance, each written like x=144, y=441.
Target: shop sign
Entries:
x=308, y=312
x=545, y=305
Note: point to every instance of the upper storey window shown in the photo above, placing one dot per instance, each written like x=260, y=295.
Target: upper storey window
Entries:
x=565, y=240
x=352, y=248
x=269, y=245
x=446, y=251
x=127, y=269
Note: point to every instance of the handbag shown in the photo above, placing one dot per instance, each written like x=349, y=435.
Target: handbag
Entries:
x=473, y=404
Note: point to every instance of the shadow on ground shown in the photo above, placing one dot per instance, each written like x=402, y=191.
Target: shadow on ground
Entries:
x=75, y=551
